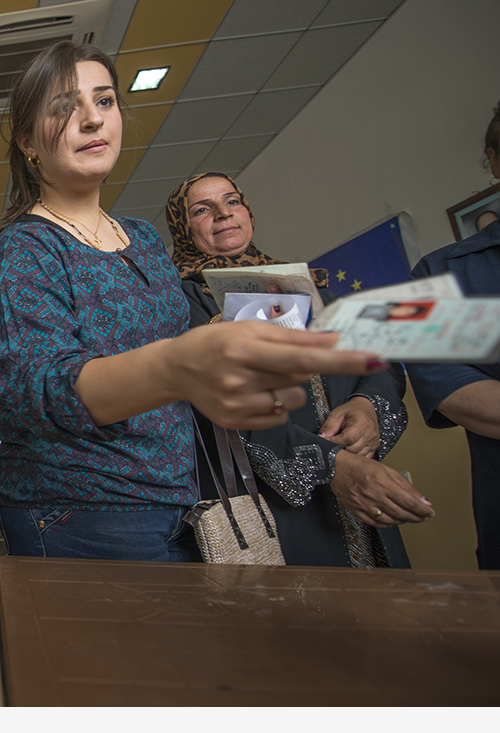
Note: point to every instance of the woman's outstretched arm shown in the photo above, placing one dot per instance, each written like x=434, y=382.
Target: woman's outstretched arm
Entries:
x=227, y=371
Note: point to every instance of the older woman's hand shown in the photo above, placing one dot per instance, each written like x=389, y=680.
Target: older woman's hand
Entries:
x=236, y=373
x=353, y=425
x=376, y=493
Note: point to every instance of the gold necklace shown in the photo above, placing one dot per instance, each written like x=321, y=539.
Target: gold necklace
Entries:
x=115, y=228
x=97, y=241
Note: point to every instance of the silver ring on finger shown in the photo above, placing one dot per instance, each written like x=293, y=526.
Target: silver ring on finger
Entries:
x=277, y=406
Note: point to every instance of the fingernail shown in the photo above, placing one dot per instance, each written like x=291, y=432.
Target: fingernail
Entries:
x=321, y=433
x=426, y=501
x=377, y=365
x=277, y=308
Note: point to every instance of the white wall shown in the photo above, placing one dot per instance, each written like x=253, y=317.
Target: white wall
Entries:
x=400, y=127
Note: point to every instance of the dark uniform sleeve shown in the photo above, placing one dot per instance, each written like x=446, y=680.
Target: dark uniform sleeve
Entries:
x=433, y=383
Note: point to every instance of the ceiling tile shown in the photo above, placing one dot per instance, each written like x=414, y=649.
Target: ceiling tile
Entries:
x=116, y=26
x=125, y=165
x=320, y=53
x=234, y=154
x=203, y=119
x=270, y=111
x=145, y=193
x=163, y=22
x=347, y=11
x=143, y=124
x=246, y=17
x=168, y=161
x=150, y=213
x=228, y=67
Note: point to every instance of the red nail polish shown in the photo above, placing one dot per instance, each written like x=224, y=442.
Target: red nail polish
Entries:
x=377, y=365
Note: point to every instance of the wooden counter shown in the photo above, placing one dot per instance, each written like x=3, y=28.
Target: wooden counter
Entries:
x=100, y=633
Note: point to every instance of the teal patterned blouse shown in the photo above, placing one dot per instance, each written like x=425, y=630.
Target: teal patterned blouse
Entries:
x=63, y=303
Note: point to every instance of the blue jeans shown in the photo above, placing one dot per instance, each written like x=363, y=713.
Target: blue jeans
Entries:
x=158, y=535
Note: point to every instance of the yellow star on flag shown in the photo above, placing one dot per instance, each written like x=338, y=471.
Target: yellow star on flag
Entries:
x=356, y=284
x=340, y=275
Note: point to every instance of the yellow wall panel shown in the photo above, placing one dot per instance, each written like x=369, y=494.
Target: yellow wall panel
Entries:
x=13, y=6
x=145, y=124
x=4, y=176
x=4, y=148
x=163, y=22
x=125, y=166
x=181, y=59
x=109, y=194
x=4, y=136
x=439, y=464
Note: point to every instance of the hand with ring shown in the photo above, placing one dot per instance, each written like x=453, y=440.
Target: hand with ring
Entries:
x=277, y=406
x=376, y=493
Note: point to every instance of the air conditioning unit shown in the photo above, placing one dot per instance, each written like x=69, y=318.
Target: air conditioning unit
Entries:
x=23, y=34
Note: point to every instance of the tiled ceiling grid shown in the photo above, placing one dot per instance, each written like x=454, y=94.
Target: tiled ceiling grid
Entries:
x=264, y=62
x=239, y=72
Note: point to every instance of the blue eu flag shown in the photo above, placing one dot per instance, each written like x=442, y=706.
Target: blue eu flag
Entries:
x=370, y=260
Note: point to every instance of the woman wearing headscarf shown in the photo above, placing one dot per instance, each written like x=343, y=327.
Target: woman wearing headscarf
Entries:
x=333, y=504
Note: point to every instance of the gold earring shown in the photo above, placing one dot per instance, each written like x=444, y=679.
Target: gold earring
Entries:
x=34, y=162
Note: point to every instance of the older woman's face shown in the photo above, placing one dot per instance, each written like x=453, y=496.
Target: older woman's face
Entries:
x=220, y=224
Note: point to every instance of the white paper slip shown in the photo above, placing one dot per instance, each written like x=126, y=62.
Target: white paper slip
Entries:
x=293, y=278
x=254, y=307
x=459, y=330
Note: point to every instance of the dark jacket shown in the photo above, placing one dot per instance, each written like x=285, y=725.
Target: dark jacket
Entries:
x=476, y=262
x=293, y=465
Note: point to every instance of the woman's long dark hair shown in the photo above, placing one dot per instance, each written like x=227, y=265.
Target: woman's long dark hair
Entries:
x=29, y=101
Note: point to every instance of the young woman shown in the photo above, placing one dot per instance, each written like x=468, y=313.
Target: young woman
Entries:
x=95, y=365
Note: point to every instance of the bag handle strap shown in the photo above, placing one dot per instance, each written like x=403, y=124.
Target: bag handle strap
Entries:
x=222, y=494
x=226, y=461
x=194, y=514
x=230, y=440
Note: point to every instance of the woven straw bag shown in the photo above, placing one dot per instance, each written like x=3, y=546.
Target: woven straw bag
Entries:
x=234, y=530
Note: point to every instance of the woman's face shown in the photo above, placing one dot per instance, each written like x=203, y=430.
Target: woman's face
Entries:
x=90, y=144
x=220, y=224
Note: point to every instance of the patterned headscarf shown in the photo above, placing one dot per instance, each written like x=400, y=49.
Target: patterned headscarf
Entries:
x=190, y=261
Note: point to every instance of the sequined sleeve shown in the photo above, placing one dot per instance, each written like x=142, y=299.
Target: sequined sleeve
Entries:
x=293, y=459
x=293, y=478
x=392, y=424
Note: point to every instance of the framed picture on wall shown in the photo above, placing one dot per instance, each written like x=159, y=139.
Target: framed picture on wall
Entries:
x=470, y=216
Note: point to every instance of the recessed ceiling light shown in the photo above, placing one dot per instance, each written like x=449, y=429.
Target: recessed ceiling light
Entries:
x=148, y=79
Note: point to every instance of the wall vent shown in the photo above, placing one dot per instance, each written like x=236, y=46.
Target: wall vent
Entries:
x=23, y=34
